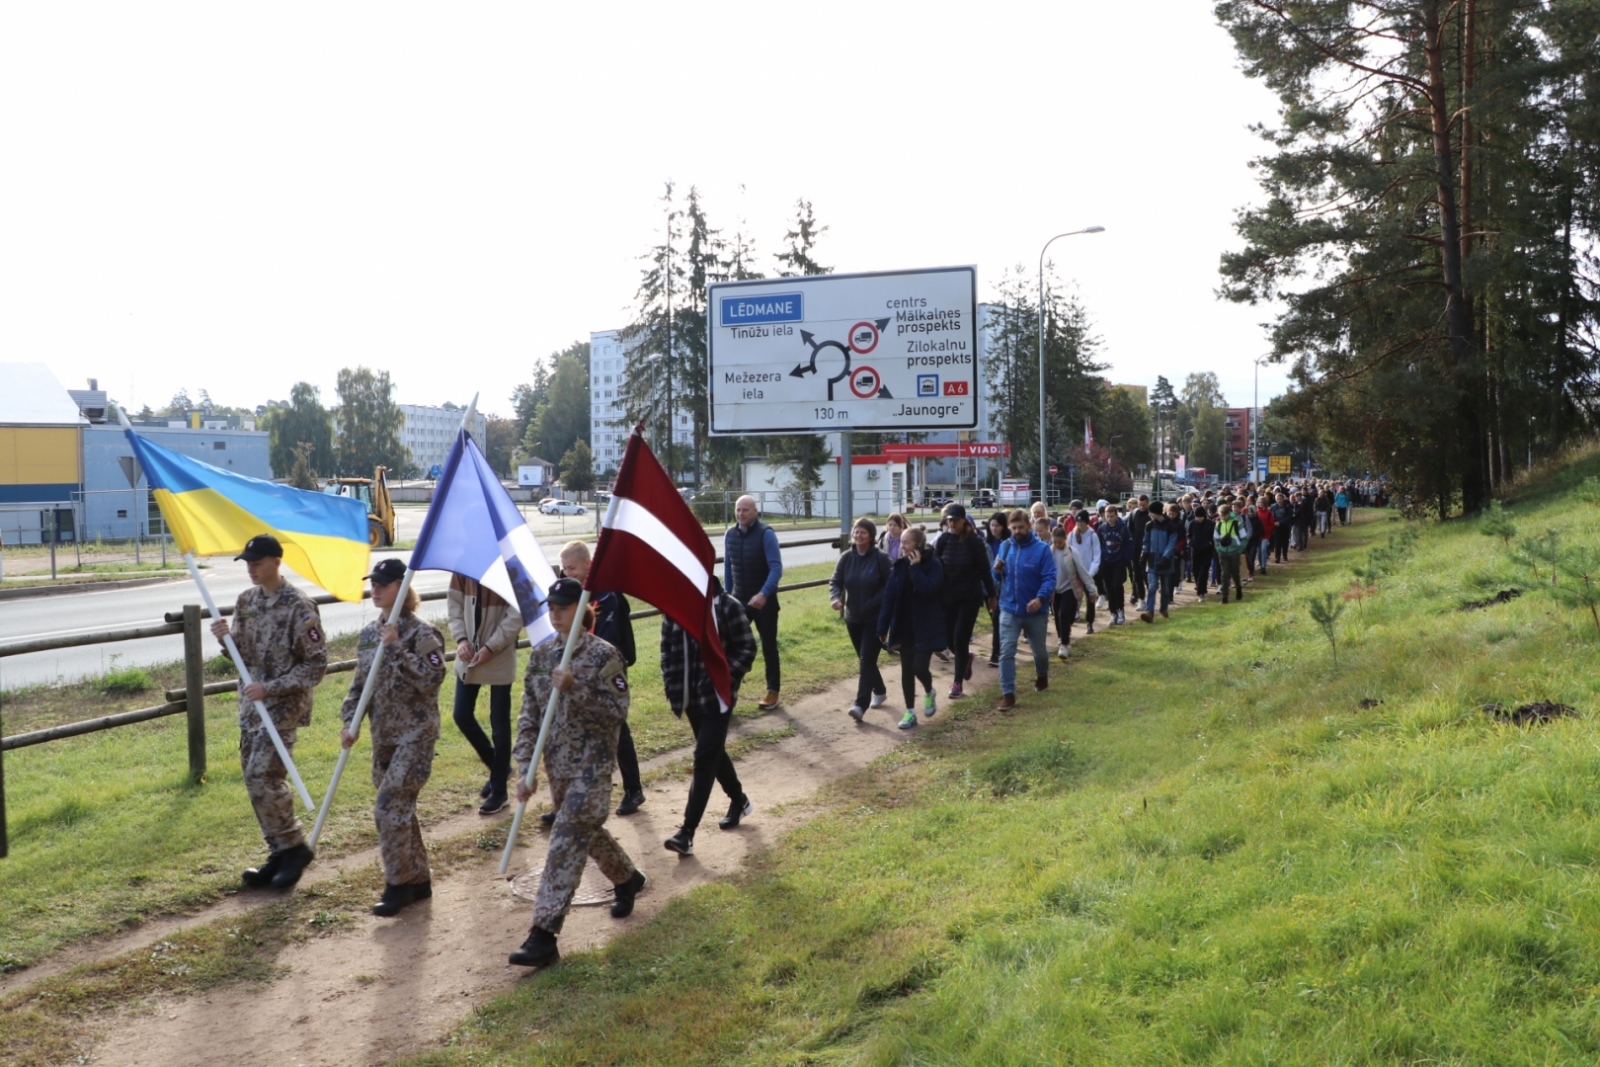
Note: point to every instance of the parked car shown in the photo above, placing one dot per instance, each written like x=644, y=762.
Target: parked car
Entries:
x=984, y=498
x=562, y=507
x=546, y=501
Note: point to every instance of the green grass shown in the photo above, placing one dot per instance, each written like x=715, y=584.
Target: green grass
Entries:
x=1197, y=848
x=105, y=829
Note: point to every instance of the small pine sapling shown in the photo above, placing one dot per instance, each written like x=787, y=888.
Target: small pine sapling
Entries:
x=1580, y=565
x=1325, y=611
x=1537, y=552
x=1496, y=523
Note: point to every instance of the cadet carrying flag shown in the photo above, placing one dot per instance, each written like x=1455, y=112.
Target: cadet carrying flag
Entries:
x=474, y=530
x=213, y=512
x=652, y=547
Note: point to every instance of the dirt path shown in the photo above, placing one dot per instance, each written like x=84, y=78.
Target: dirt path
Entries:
x=379, y=989
x=382, y=988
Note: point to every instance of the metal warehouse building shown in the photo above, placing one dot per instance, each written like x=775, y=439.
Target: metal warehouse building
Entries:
x=65, y=471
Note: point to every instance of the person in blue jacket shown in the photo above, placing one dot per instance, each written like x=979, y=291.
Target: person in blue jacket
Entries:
x=1025, y=571
x=1161, y=554
x=912, y=616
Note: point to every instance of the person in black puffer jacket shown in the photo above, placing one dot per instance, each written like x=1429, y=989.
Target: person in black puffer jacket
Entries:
x=856, y=589
x=968, y=583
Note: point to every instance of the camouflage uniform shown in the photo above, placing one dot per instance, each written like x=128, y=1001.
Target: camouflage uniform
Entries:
x=579, y=756
x=280, y=639
x=404, y=713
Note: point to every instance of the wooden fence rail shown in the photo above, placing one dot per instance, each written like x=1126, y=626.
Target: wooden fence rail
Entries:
x=190, y=700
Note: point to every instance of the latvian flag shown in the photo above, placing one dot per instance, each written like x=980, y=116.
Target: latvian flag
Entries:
x=652, y=547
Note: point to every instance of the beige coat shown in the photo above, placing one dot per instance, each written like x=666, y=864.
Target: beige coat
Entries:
x=501, y=626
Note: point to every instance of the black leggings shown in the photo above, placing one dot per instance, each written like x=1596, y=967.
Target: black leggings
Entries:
x=711, y=764
x=496, y=754
x=994, y=638
x=959, y=621
x=914, y=668
x=869, y=680
x=1067, y=610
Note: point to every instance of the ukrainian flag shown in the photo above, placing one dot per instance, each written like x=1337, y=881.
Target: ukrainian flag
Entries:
x=213, y=512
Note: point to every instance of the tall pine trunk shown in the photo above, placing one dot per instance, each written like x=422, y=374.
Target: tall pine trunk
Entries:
x=1457, y=317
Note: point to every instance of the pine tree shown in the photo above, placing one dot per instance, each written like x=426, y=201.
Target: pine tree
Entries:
x=804, y=454
x=1427, y=189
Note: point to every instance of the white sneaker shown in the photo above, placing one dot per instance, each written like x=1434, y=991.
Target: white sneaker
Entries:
x=1102, y=604
x=856, y=712
x=879, y=699
x=1063, y=651
x=1202, y=598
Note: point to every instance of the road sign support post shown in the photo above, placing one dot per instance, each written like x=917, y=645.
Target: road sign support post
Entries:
x=846, y=487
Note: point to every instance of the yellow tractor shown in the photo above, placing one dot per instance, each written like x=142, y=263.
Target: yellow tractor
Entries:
x=374, y=493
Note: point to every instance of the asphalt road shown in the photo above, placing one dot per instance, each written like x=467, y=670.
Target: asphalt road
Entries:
x=47, y=616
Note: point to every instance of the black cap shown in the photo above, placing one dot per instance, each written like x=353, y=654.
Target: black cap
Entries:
x=388, y=572
x=261, y=546
x=564, y=591
x=1083, y=516
x=955, y=511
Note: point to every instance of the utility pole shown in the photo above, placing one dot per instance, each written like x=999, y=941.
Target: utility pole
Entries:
x=1044, y=464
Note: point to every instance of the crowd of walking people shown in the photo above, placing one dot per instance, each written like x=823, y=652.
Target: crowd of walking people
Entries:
x=908, y=592
x=915, y=594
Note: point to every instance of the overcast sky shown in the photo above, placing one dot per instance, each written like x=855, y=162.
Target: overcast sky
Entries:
x=238, y=197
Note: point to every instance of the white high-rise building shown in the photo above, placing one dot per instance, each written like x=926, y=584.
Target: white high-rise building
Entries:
x=429, y=432
x=608, y=424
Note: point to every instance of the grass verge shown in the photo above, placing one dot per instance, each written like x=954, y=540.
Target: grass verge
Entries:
x=1203, y=845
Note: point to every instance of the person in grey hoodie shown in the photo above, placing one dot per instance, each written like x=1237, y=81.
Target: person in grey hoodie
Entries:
x=856, y=589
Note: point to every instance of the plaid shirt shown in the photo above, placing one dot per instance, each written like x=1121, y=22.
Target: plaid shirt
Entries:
x=684, y=672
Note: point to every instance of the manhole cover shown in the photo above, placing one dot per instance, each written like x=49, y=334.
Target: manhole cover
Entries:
x=594, y=889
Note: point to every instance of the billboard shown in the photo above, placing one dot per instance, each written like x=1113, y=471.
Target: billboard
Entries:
x=1280, y=464
x=890, y=351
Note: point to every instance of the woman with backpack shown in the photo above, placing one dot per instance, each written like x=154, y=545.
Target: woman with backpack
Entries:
x=1077, y=554
x=1230, y=542
x=912, y=616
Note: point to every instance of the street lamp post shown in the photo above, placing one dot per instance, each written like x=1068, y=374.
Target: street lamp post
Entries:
x=1255, y=421
x=1044, y=464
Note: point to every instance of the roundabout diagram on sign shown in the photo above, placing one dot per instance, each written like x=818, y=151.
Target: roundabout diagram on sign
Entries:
x=835, y=356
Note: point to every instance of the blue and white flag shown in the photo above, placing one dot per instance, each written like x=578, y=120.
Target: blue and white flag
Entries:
x=474, y=530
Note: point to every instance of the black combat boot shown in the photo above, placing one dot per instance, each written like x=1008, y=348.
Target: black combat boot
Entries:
x=260, y=877
x=631, y=802
x=291, y=865
x=538, y=951
x=622, y=907
x=396, y=897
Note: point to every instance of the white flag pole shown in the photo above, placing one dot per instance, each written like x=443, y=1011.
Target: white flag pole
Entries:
x=372, y=674
x=245, y=680
x=361, y=711
x=544, y=731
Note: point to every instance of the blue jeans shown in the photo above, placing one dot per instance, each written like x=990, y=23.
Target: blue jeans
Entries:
x=1160, y=583
x=1012, y=627
x=1266, y=550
